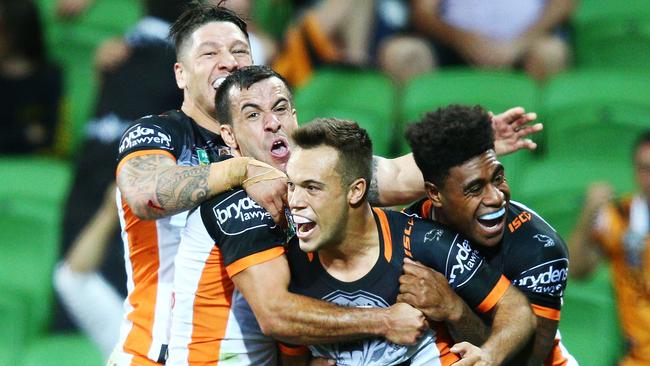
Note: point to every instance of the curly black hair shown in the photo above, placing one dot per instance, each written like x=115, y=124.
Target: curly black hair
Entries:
x=449, y=137
x=196, y=15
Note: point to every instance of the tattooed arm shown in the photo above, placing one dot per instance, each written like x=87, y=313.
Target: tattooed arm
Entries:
x=154, y=186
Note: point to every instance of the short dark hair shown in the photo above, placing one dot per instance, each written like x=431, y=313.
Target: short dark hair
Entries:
x=351, y=141
x=449, y=137
x=198, y=14
x=242, y=78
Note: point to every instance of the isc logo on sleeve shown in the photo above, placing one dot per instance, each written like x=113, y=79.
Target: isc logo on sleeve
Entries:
x=238, y=213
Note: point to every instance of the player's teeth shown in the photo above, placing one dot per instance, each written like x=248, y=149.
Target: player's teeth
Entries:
x=493, y=215
x=301, y=220
x=216, y=83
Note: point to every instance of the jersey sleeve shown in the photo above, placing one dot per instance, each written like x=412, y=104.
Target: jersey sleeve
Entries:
x=539, y=266
x=543, y=279
x=244, y=232
x=469, y=275
x=151, y=133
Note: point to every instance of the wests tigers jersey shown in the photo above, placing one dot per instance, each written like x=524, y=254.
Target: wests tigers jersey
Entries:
x=400, y=236
x=533, y=257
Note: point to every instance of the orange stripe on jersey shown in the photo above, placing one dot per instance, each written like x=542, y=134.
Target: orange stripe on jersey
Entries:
x=254, y=259
x=494, y=296
x=143, y=253
x=212, y=306
x=141, y=153
x=385, y=230
x=444, y=343
x=426, y=209
x=556, y=357
x=292, y=351
x=545, y=312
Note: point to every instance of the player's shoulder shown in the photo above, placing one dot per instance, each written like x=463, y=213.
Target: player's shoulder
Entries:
x=418, y=229
x=153, y=131
x=529, y=231
x=234, y=213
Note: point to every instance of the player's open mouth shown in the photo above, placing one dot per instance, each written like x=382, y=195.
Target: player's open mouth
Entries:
x=217, y=82
x=493, y=220
x=304, y=226
x=280, y=149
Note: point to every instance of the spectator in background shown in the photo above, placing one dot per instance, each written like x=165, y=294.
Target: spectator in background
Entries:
x=31, y=85
x=137, y=80
x=497, y=33
x=358, y=33
x=619, y=230
x=72, y=8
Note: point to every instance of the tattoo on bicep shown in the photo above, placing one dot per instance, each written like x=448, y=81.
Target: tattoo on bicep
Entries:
x=183, y=188
x=373, y=190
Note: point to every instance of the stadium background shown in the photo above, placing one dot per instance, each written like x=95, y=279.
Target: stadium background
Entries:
x=591, y=113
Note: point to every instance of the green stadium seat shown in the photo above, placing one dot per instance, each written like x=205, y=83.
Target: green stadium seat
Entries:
x=592, y=114
x=495, y=90
x=609, y=35
x=366, y=97
x=14, y=318
x=555, y=188
x=57, y=350
x=32, y=191
x=589, y=325
x=30, y=248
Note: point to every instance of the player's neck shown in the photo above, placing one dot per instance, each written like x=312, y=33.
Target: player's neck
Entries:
x=201, y=117
x=356, y=254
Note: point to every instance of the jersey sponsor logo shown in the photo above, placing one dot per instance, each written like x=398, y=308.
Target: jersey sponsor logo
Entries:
x=433, y=234
x=521, y=219
x=545, y=239
x=139, y=135
x=464, y=262
x=548, y=278
x=358, y=298
x=236, y=215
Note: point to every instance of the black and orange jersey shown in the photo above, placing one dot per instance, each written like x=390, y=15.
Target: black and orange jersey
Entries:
x=211, y=321
x=174, y=133
x=400, y=236
x=151, y=245
x=531, y=255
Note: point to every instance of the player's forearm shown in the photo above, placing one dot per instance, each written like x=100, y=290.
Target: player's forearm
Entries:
x=154, y=186
x=395, y=181
x=542, y=343
x=512, y=325
x=467, y=326
x=302, y=320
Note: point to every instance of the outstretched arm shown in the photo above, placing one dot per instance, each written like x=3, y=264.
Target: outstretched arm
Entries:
x=398, y=181
x=154, y=186
x=299, y=319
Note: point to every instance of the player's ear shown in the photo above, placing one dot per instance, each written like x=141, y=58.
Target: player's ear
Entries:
x=180, y=75
x=356, y=191
x=228, y=136
x=433, y=193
